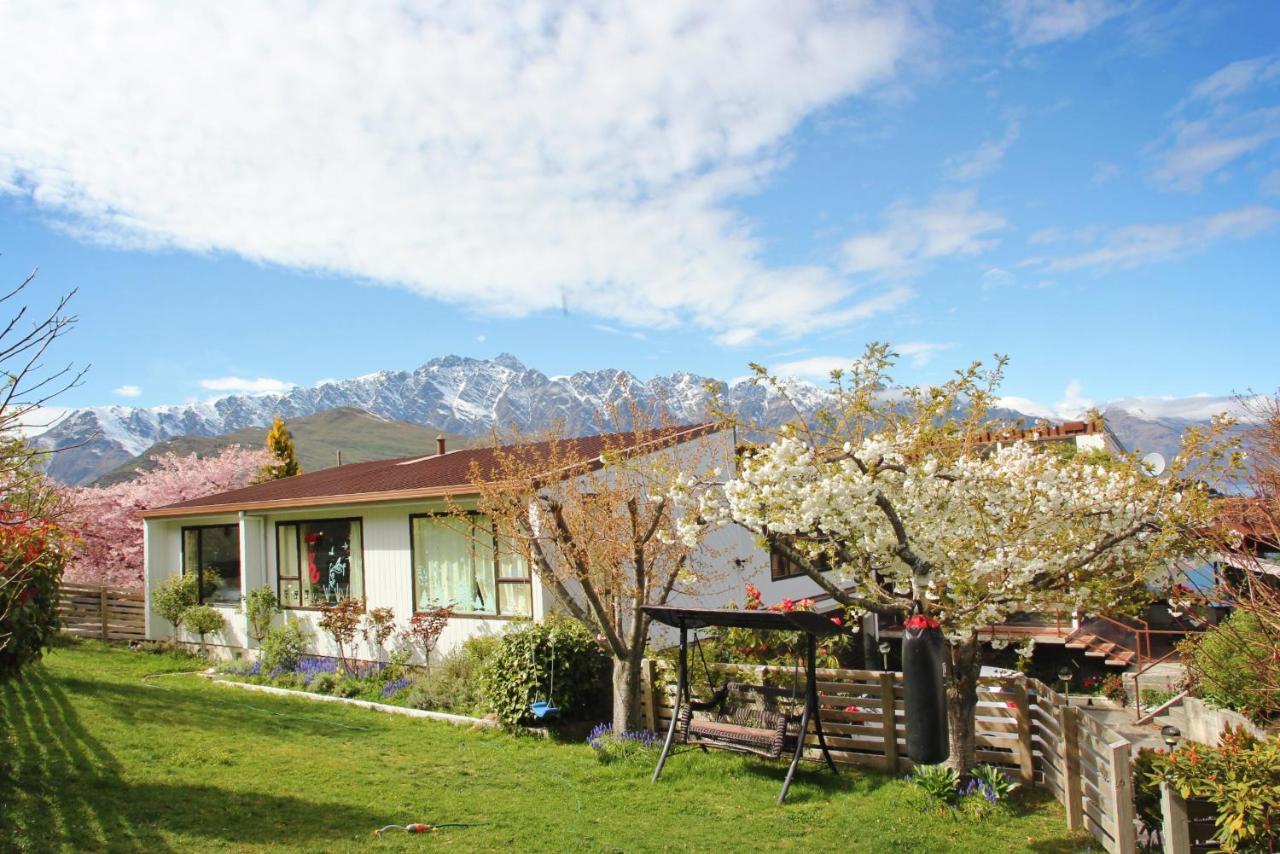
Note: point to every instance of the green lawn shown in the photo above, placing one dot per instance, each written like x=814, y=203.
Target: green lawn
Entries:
x=94, y=755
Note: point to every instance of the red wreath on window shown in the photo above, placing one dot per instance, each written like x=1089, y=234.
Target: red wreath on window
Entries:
x=312, y=541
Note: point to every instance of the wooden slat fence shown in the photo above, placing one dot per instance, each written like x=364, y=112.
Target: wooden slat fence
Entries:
x=1188, y=825
x=95, y=611
x=1023, y=726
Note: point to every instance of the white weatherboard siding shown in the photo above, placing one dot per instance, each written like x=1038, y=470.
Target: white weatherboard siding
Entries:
x=730, y=559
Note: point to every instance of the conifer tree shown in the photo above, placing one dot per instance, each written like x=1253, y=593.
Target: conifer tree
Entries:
x=284, y=456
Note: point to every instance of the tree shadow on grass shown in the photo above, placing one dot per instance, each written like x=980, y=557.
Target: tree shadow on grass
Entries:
x=62, y=789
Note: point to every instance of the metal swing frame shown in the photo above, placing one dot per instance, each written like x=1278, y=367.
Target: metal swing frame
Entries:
x=809, y=623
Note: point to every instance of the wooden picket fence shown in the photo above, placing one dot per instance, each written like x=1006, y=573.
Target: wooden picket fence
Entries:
x=96, y=611
x=1023, y=727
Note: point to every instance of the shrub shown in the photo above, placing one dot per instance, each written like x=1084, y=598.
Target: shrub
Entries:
x=203, y=620
x=520, y=671
x=1240, y=777
x=342, y=622
x=324, y=683
x=348, y=687
x=454, y=684
x=1113, y=689
x=379, y=625
x=173, y=597
x=425, y=628
x=1225, y=662
x=283, y=647
x=32, y=556
x=261, y=606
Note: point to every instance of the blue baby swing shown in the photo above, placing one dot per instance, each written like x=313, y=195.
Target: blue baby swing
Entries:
x=546, y=709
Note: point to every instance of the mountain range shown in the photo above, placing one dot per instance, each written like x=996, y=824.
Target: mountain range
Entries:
x=461, y=396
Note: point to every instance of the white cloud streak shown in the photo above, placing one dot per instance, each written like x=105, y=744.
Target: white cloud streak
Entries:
x=1040, y=22
x=240, y=385
x=1210, y=131
x=1138, y=245
x=128, y=391
x=919, y=353
x=984, y=159
x=951, y=224
x=511, y=159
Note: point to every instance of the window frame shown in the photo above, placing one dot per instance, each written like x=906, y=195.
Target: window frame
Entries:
x=779, y=560
x=498, y=580
x=182, y=558
x=298, y=549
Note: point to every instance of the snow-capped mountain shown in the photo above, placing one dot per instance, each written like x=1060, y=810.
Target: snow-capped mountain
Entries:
x=452, y=393
x=469, y=397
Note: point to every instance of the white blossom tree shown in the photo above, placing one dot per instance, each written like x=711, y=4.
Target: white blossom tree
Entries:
x=908, y=495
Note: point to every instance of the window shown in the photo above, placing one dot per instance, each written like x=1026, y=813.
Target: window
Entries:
x=782, y=567
x=213, y=552
x=457, y=562
x=319, y=563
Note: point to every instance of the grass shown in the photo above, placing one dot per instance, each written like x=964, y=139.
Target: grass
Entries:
x=104, y=749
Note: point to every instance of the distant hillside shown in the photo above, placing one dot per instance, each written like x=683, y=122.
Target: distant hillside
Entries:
x=360, y=436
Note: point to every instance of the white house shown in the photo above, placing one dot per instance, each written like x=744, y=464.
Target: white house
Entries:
x=378, y=531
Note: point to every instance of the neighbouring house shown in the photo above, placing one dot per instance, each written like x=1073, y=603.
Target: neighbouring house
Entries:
x=384, y=531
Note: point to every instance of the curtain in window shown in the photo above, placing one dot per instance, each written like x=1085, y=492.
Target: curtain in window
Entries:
x=453, y=566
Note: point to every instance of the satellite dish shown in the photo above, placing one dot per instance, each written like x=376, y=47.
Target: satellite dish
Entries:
x=1153, y=465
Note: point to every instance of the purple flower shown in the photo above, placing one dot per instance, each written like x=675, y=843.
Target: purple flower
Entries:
x=395, y=687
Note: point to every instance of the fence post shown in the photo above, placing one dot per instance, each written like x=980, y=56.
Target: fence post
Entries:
x=102, y=608
x=1174, y=823
x=889, y=722
x=649, y=692
x=1068, y=717
x=1122, y=793
x=1026, y=765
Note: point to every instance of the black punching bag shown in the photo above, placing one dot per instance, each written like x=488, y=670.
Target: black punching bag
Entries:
x=923, y=648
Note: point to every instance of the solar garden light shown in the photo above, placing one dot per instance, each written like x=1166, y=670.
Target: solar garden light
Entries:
x=1170, y=734
x=884, y=651
x=1064, y=673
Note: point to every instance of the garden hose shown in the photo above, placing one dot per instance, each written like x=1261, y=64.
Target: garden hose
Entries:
x=426, y=828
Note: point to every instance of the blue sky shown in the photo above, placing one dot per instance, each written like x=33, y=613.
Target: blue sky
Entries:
x=247, y=199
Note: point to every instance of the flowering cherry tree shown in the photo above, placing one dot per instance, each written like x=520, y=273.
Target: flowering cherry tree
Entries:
x=105, y=519
x=911, y=496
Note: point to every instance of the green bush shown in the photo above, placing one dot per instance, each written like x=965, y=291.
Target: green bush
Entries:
x=282, y=647
x=260, y=607
x=520, y=671
x=1225, y=665
x=203, y=620
x=1240, y=777
x=28, y=607
x=453, y=684
x=173, y=597
x=325, y=683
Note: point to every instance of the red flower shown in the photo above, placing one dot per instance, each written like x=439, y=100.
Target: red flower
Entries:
x=920, y=621
x=838, y=621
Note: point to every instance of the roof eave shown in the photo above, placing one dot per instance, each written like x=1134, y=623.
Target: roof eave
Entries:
x=314, y=501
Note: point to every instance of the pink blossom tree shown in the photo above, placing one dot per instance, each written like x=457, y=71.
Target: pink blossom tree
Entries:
x=105, y=519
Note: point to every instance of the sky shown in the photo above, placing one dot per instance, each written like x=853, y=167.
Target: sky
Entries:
x=249, y=196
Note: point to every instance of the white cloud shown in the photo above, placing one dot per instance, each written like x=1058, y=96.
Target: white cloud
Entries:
x=482, y=338
x=34, y=421
x=1038, y=22
x=502, y=159
x=997, y=278
x=1073, y=404
x=1210, y=132
x=950, y=225
x=919, y=353
x=128, y=391
x=1138, y=245
x=984, y=159
x=1198, y=407
x=1236, y=78
x=240, y=385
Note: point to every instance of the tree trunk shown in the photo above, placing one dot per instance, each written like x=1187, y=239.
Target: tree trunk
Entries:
x=963, y=668
x=626, y=694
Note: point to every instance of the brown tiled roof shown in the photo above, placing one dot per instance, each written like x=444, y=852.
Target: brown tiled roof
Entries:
x=432, y=475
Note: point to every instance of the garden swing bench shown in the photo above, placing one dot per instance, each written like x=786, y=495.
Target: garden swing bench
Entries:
x=737, y=716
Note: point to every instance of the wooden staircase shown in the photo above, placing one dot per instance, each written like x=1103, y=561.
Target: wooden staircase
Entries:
x=1112, y=653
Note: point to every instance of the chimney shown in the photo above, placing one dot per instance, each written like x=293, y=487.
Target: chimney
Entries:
x=439, y=445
